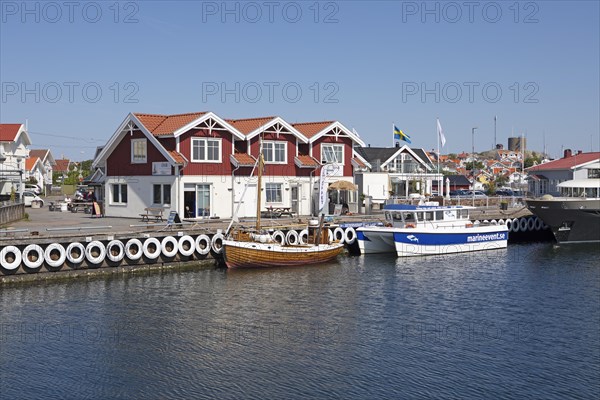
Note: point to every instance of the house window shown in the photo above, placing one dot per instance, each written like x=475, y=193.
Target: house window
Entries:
x=119, y=193
x=593, y=173
x=206, y=150
x=161, y=194
x=332, y=153
x=275, y=152
x=273, y=192
x=139, y=154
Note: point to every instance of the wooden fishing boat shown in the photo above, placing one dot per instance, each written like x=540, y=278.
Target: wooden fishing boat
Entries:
x=258, y=249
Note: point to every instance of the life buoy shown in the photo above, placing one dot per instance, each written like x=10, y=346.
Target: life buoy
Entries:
x=50, y=253
x=37, y=260
x=469, y=225
x=279, y=237
x=538, y=224
x=216, y=243
x=133, y=249
x=531, y=224
x=119, y=254
x=523, y=224
x=338, y=235
x=303, y=236
x=350, y=235
x=10, y=265
x=203, y=244
x=292, y=238
x=151, y=248
x=169, y=246
x=186, y=245
x=412, y=225
x=75, y=253
x=98, y=259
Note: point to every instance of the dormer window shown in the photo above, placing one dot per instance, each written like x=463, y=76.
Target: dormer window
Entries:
x=139, y=151
x=332, y=153
x=275, y=152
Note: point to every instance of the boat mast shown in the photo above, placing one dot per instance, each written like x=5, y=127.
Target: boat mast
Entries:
x=261, y=164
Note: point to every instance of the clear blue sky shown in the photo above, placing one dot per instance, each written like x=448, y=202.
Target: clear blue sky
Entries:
x=374, y=63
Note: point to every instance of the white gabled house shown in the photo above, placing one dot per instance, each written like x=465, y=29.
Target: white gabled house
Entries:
x=14, y=140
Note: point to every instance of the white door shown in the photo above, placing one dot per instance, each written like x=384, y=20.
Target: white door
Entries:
x=248, y=206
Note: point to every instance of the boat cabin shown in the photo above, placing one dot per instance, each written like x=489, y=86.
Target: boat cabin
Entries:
x=402, y=215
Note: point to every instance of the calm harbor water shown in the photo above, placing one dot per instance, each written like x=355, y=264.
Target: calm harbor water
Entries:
x=522, y=322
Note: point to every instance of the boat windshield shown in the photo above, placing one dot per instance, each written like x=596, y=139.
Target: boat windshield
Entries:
x=579, y=192
x=410, y=217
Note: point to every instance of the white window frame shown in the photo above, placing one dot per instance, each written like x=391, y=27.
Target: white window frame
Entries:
x=162, y=193
x=333, y=145
x=112, y=193
x=271, y=152
x=274, y=186
x=133, y=145
x=205, y=140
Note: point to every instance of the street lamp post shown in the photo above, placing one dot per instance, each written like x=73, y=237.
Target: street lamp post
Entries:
x=473, y=160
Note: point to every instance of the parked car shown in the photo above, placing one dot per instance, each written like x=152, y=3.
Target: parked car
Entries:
x=478, y=194
x=33, y=188
x=458, y=193
x=29, y=197
x=505, y=192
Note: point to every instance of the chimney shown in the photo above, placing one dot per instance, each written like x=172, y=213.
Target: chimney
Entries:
x=567, y=153
x=579, y=152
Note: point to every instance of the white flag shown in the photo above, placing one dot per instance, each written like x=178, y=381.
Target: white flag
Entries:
x=441, y=133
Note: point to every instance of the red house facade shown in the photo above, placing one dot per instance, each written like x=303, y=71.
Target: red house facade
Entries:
x=199, y=164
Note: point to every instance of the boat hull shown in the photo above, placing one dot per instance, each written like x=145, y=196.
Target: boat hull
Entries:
x=572, y=220
x=374, y=240
x=268, y=255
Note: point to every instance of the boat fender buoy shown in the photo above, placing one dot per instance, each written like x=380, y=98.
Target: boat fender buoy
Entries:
x=170, y=246
x=279, y=237
x=350, y=235
x=10, y=265
x=292, y=238
x=51, y=249
x=119, y=254
x=151, y=248
x=523, y=225
x=538, y=224
x=412, y=225
x=203, y=244
x=73, y=256
x=217, y=243
x=338, y=235
x=186, y=245
x=39, y=257
x=303, y=236
x=133, y=249
x=98, y=259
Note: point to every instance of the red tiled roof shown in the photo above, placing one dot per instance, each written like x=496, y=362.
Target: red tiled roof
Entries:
x=566, y=163
x=242, y=160
x=41, y=153
x=30, y=163
x=178, y=157
x=62, y=165
x=310, y=129
x=249, y=124
x=8, y=132
x=160, y=125
x=304, y=161
x=358, y=162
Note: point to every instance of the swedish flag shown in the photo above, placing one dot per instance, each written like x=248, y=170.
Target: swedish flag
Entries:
x=399, y=135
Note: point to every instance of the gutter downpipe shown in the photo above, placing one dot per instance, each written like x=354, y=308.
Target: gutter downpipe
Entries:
x=312, y=190
x=233, y=190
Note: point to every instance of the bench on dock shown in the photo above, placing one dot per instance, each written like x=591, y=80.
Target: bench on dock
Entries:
x=154, y=213
x=277, y=212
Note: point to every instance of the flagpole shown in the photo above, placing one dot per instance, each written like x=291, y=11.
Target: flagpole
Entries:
x=440, y=190
x=393, y=134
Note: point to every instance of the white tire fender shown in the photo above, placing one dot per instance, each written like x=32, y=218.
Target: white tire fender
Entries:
x=303, y=236
x=292, y=238
x=62, y=255
x=120, y=253
x=203, y=244
x=148, y=252
x=10, y=265
x=73, y=259
x=217, y=243
x=279, y=237
x=174, y=245
x=338, y=235
x=33, y=264
x=101, y=252
x=134, y=245
x=186, y=245
x=350, y=235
